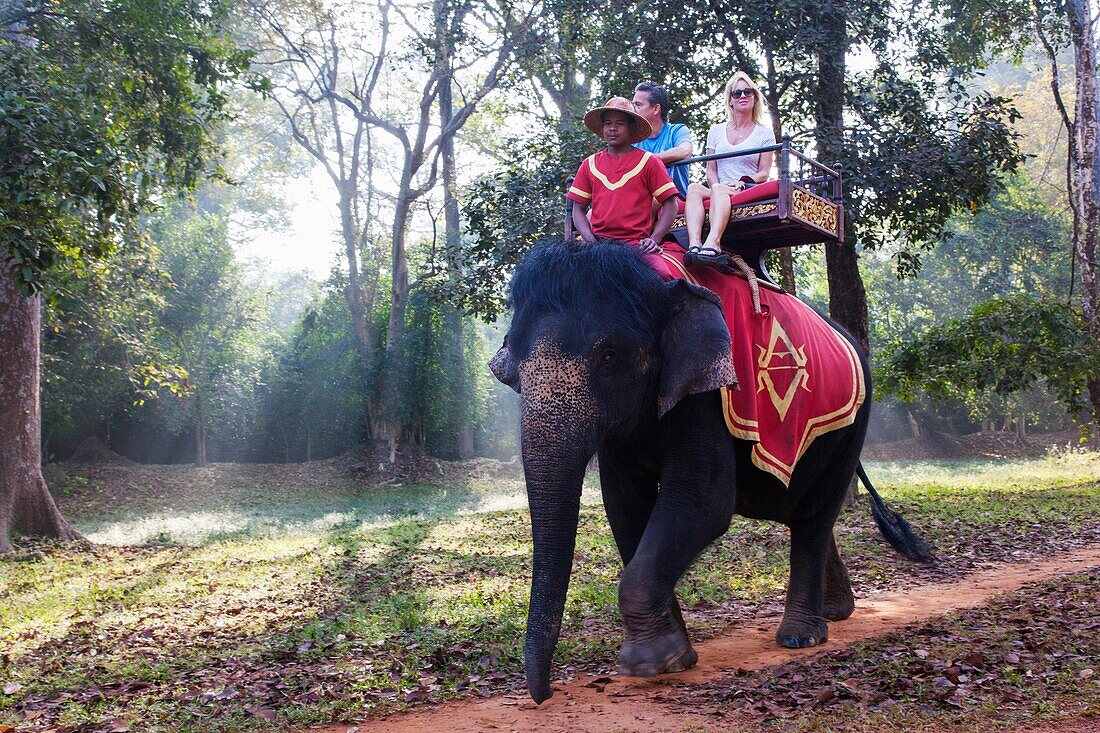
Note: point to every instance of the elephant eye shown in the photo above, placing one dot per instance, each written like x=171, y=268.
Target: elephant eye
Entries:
x=608, y=356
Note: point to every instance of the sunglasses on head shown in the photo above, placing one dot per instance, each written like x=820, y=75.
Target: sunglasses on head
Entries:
x=736, y=93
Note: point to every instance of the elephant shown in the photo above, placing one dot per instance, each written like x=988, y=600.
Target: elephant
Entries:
x=611, y=360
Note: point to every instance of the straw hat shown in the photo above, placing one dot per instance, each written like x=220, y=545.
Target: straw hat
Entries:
x=593, y=121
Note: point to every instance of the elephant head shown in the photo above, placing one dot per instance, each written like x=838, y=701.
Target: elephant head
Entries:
x=599, y=348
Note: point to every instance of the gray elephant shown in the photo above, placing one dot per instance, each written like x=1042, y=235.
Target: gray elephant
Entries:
x=611, y=360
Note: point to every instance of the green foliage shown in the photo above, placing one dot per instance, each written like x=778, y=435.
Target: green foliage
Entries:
x=508, y=211
x=314, y=399
x=445, y=384
x=103, y=105
x=99, y=354
x=911, y=166
x=1013, y=246
x=211, y=324
x=1004, y=346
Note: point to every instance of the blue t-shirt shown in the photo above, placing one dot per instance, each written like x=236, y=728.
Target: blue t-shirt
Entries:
x=669, y=137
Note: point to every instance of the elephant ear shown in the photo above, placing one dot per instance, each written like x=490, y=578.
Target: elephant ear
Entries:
x=504, y=367
x=695, y=345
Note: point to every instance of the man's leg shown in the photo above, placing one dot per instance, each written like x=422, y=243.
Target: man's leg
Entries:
x=663, y=267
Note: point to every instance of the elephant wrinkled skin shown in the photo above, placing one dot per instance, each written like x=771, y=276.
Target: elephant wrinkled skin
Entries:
x=610, y=360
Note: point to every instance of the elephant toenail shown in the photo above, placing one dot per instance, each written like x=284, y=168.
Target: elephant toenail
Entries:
x=807, y=641
x=789, y=641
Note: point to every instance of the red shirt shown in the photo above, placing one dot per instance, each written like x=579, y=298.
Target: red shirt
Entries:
x=619, y=189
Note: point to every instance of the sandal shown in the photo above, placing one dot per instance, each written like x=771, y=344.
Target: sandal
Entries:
x=708, y=257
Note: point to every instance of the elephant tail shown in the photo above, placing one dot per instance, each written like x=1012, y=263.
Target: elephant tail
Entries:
x=894, y=527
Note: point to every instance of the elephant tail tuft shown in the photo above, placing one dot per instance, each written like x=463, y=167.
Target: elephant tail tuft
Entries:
x=894, y=527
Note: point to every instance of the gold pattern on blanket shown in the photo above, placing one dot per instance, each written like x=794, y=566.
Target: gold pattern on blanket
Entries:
x=781, y=358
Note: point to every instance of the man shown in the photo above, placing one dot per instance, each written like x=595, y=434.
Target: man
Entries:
x=668, y=142
x=618, y=185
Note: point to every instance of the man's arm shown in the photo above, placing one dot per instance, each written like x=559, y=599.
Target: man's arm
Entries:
x=681, y=151
x=580, y=222
x=665, y=216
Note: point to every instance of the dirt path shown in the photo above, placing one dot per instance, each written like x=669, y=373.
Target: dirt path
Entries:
x=598, y=704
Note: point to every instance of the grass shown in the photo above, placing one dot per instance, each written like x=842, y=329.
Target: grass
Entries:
x=266, y=598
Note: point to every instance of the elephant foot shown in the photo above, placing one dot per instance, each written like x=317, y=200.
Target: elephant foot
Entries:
x=797, y=633
x=669, y=653
x=838, y=609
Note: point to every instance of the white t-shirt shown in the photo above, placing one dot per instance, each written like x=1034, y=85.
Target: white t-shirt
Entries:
x=731, y=169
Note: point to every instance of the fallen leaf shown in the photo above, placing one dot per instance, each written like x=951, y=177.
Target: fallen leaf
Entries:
x=268, y=715
x=10, y=688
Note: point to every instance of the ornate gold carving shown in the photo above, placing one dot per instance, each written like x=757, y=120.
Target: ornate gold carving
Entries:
x=679, y=221
x=818, y=212
x=742, y=212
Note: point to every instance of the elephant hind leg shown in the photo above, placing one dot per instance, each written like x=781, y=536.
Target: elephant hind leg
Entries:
x=839, y=600
x=804, y=623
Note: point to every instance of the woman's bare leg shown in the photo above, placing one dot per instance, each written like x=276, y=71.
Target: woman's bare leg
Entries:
x=719, y=216
x=694, y=212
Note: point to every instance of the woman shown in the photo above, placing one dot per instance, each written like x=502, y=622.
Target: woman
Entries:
x=743, y=130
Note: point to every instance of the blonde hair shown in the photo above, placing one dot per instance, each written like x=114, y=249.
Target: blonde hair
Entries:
x=759, y=107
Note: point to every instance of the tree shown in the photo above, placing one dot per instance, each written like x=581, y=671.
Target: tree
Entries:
x=100, y=357
x=314, y=397
x=1060, y=25
x=348, y=75
x=1002, y=347
x=106, y=107
x=209, y=323
x=441, y=357
x=1083, y=155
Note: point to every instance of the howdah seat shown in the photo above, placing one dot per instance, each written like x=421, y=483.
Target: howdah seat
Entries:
x=804, y=205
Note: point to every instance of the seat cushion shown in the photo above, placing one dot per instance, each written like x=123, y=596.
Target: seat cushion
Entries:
x=759, y=192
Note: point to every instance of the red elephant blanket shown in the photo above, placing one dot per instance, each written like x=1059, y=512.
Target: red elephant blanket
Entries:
x=799, y=378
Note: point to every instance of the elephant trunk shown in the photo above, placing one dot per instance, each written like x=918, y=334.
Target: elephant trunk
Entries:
x=557, y=421
x=554, y=494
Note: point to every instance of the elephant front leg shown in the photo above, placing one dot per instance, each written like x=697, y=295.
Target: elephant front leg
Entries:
x=656, y=636
x=684, y=521
x=629, y=495
x=693, y=507
x=804, y=623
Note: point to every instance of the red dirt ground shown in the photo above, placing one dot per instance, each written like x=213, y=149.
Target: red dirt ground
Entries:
x=599, y=704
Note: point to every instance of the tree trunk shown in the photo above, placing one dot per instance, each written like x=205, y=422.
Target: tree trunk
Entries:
x=453, y=228
x=847, y=295
x=395, y=330
x=354, y=291
x=200, y=442
x=1085, y=173
x=26, y=506
x=785, y=254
